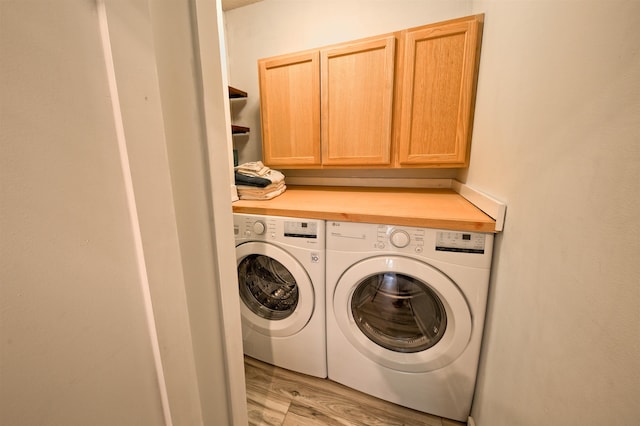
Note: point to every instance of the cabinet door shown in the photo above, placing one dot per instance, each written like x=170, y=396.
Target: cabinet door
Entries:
x=357, y=97
x=290, y=109
x=438, y=93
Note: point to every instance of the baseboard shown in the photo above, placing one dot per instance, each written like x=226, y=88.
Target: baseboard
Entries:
x=471, y=422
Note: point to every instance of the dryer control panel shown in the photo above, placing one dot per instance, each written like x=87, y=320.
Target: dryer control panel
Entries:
x=288, y=230
x=400, y=238
x=471, y=248
x=300, y=229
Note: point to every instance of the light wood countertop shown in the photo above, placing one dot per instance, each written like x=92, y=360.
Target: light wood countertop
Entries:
x=431, y=208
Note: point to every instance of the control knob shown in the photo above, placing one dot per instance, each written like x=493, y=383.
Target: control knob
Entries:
x=258, y=228
x=400, y=238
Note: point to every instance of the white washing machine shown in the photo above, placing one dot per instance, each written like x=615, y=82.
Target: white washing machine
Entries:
x=281, y=270
x=405, y=313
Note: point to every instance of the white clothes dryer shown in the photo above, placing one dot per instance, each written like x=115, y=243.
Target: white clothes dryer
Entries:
x=405, y=313
x=281, y=271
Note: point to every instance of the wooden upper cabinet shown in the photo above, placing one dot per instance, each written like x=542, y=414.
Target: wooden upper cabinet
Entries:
x=290, y=109
x=403, y=99
x=439, y=76
x=357, y=102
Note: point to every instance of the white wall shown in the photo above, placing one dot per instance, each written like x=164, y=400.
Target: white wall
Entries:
x=75, y=345
x=556, y=137
x=109, y=263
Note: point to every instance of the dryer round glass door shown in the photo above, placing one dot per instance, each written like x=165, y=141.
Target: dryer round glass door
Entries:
x=398, y=312
x=402, y=313
x=276, y=292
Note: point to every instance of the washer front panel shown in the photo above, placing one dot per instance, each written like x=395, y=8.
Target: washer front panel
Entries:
x=450, y=343
x=282, y=323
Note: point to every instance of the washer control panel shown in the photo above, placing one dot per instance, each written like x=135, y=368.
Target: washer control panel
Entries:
x=462, y=242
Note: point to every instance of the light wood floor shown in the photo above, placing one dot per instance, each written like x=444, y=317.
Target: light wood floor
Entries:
x=279, y=397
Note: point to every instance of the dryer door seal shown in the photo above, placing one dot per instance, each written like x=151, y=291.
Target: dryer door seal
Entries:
x=410, y=345
x=287, y=302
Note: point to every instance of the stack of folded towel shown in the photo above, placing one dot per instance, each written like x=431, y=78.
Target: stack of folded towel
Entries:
x=255, y=181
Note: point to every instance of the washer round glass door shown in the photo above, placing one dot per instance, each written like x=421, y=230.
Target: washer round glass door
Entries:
x=276, y=292
x=402, y=313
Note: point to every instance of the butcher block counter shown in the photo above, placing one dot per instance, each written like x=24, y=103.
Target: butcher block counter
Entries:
x=430, y=208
